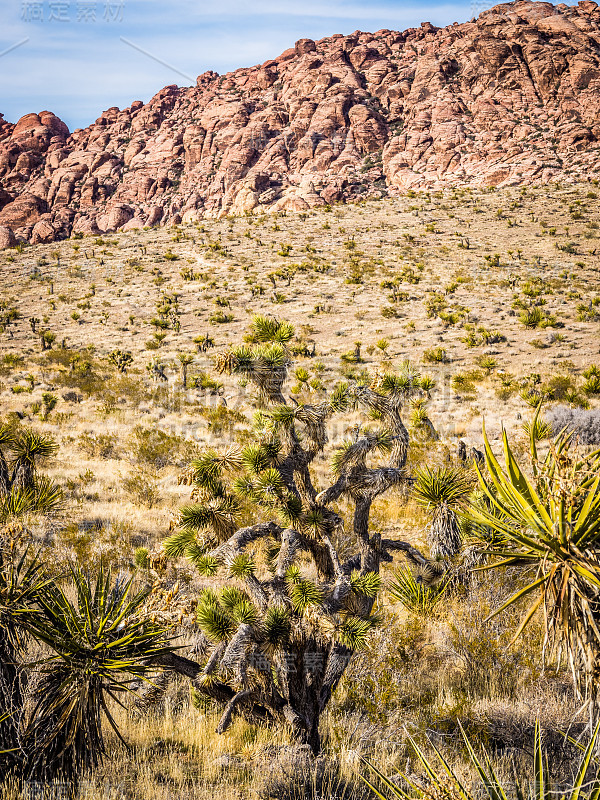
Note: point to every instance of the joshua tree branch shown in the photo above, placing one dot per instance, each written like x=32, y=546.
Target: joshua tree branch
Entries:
x=226, y=719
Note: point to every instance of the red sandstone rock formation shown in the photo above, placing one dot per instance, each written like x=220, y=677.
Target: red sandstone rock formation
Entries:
x=512, y=97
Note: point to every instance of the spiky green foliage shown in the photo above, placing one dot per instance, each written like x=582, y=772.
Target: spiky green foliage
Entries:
x=442, y=490
x=218, y=515
x=101, y=640
x=276, y=626
x=414, y=592
x=22, y=583
x=303, y=594
x=367, y=584
x=216, y=622
x=340, y=399
x=269, y=329
x=435, y=486
x=242, y=566
x=538, y=428
x=44, y=497
x=29, y=448
x=353, y=632
x=550, y=522
x=443, y=781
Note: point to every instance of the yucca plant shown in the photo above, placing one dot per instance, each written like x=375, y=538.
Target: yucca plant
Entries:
x=549, y=524
x=420, y=590
x=100, y=641
x=442, y=491
x=7, y=438
x=28, y=448
x=44, y=498
x=441, y=780
x=291, y=611
x=21, y=585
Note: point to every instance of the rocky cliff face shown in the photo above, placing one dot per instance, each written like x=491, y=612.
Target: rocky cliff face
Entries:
x=511, y=97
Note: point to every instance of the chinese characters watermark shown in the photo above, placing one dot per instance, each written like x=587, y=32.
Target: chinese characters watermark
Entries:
x=78, y=11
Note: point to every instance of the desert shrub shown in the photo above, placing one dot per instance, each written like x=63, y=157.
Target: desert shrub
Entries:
x=98, y=445
x=435, y=355
x=142, y=486
x=294, y=775
x=396, y=674
x=585, y=424
x=153, y=447
x=202, y=380
x=95, y=541
x=221, y=419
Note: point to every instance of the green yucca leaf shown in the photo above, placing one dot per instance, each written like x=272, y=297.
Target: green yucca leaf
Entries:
x=176, y=544
x=272, y=448
x=301, y=375
x=313, y=520
x=415, y=595
x=219, y=514
x=353, y=632
x=244, y=487
x=368, y=584
x=293, y=574
x=269, y=357
x=340, y=456
x=205, y=564
x=304, y=593
x=231, y=596
x=45, y=497
x=29, y=445
x=283, y=415
x=208, y=598
x=269, y=329
x=290, y=510
x=269, y=486
x=383, y=441
x=442, y=780
x=101, y=640
x=395, y=384
x=242, y=566
x=339, y=400
x=245, y=613
x=255, y=459
x=427, y=383
x=441, y=485
x=216, y=623
x=276, y=626
x=206, y=470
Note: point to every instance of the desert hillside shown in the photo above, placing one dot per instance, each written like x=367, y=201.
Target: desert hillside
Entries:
x=508, y=98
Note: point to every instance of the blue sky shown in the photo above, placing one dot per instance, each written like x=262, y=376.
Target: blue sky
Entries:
x=68, y=56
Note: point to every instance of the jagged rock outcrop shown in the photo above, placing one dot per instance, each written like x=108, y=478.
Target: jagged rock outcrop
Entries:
x=511, y=97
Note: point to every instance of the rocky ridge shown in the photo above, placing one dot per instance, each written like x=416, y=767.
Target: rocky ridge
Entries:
x=510, y=97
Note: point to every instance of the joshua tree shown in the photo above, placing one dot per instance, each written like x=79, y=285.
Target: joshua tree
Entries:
x=441, y=491
x=122, y=359
x=47, y=339
x=299, y=589
x=551, y=524
x=185, y=359
x=203, y=343
x=29, y=447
